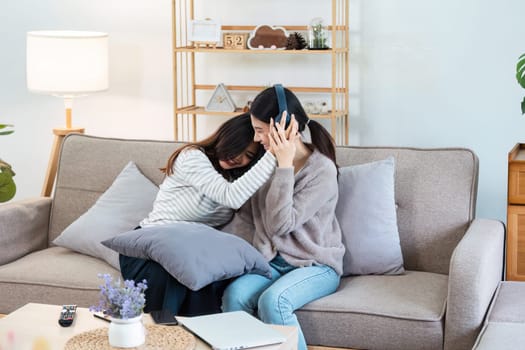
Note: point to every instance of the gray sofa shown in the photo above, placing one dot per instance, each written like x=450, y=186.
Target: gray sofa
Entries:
x=454, y=261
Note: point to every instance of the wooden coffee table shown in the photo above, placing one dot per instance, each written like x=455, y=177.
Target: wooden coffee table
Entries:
x=33, y=323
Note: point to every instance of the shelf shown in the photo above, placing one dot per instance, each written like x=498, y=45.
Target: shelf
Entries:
x=261, y=51
x=259, y=88
x=288, y=28
x=193, y=110
x=190, y=90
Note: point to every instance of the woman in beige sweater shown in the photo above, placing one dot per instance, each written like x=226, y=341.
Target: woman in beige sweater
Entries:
x=291, y=219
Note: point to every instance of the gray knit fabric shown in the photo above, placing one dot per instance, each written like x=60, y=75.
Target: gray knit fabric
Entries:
x=294, y=215
x=23, y=228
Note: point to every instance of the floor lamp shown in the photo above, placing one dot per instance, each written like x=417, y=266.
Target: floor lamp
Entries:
x=66, y=64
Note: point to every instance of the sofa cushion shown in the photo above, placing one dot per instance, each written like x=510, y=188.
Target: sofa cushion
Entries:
x=508, y=304
x=23, y=227
x=124, y=204
x=504, y=326
x=54, y=275
x=195, y=254
x=501, y=336
x=379, y=312
x=366, y=211
x=435, y=197
x=415, y=296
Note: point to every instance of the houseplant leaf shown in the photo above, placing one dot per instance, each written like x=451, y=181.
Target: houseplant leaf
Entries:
x=7, y=186
x=6, y=132
x=520, y=77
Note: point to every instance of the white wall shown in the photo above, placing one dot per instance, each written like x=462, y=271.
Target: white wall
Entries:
x=441, y=73
x=423, y=73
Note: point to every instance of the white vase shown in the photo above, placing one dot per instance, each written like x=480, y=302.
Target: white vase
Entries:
x=127, y=333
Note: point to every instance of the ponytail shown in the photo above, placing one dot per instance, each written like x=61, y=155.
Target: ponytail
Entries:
x=322, y=140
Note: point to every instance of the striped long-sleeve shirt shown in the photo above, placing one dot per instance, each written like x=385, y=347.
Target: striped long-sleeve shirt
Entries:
x=196, y=192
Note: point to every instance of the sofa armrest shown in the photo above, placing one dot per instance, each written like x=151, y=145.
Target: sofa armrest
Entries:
x=476, y=268
x=23, y=227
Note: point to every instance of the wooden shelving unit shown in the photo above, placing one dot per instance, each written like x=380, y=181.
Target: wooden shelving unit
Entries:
x=515, y=264
x=187, y=108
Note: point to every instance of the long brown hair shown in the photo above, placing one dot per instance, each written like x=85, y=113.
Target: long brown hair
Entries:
x=230, y=140
x=266, y=106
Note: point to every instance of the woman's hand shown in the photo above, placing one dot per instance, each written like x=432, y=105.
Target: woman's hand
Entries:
x=282, y=142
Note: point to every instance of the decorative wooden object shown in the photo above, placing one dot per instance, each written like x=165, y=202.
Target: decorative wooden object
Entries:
x=186, y=89
x=234, y=40
x=515, y=264
x=266, y=37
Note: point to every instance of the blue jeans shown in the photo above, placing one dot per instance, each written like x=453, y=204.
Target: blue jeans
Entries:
x=275, y=300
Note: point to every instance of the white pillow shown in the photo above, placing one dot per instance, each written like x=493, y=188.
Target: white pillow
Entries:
x=124, y=204
x=366, y=212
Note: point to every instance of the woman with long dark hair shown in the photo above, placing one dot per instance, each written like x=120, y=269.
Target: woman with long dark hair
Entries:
x=205, y=182
x=291, y=219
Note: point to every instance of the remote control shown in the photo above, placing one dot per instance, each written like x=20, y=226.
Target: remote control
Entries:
x=67, y=315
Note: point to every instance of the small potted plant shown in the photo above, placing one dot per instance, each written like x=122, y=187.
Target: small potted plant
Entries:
x=520, y=76
x=7, y=184
x=317, y=35
x=124, y=303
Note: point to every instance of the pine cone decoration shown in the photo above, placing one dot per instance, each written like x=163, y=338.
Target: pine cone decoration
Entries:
x=296, y=41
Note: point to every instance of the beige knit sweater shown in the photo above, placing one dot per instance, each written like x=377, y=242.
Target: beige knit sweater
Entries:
x=295, y=216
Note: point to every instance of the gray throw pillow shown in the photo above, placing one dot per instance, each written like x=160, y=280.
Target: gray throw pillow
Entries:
x=366, y=211
x=195, y=254
x=125, y=203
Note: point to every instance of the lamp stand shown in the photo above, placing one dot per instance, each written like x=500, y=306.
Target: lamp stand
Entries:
x=60, y=133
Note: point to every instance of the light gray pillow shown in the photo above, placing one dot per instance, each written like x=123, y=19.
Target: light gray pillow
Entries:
x=124, y=204
x=195, y=254
x=366, y=211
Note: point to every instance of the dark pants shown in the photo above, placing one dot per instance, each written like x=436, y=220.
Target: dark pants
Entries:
x=165, y=292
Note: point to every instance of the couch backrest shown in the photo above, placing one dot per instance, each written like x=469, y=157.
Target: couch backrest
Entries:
x=435, y=188
x=435, y=193
x=88, y=165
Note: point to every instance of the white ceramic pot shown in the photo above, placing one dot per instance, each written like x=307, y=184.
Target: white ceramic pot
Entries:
x=127, y=333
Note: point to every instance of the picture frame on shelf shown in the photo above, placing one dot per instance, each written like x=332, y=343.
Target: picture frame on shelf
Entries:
x=221, y=100
x=205, y=32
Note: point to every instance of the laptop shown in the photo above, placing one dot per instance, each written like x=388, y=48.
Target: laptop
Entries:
x=232, y=330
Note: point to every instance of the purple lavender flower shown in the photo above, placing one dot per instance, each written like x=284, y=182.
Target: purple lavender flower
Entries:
x=120, y=301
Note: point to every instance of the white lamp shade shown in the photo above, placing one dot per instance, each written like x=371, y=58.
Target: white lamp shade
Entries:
x=67, y=63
